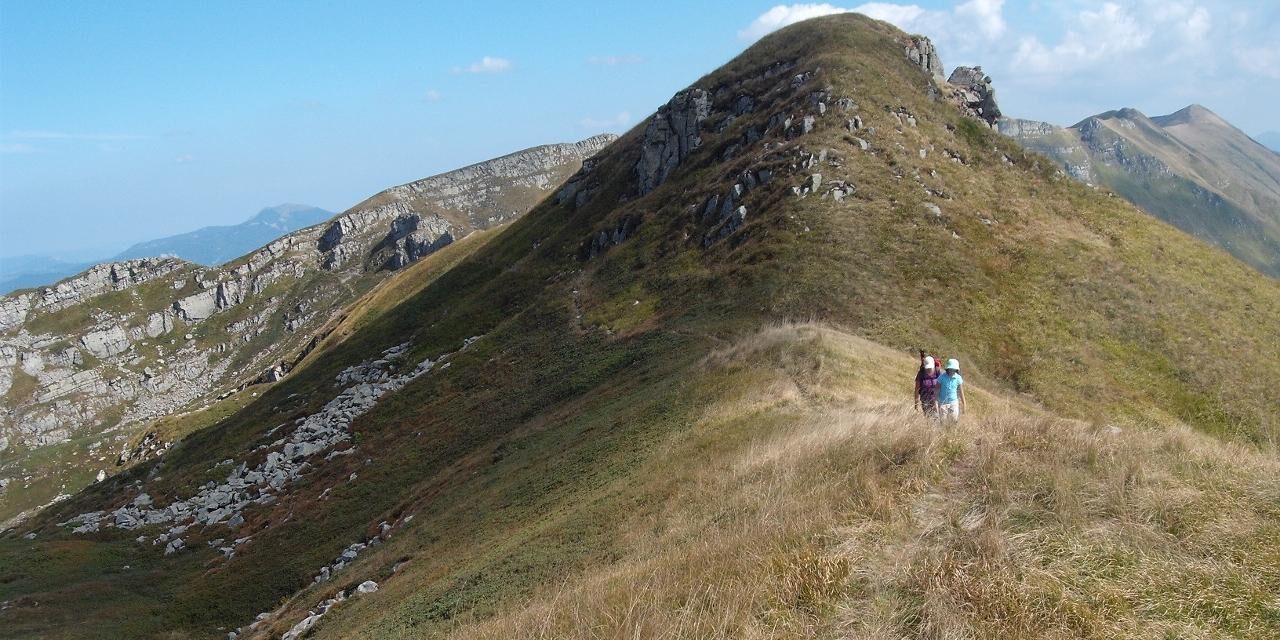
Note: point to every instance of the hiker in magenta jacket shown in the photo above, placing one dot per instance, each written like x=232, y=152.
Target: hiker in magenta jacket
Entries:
x=926, y=394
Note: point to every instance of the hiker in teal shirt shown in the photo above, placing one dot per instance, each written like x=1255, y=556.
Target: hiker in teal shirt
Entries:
x=951, y=392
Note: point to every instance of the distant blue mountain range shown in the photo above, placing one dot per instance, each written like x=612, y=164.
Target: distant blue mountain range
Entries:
x=216, y=245
x=208, y=246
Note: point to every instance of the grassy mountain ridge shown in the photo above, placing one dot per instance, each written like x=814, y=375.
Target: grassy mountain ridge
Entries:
x=639, y=442
x=1190, y=168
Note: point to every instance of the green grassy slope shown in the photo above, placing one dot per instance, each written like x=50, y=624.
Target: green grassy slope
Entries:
x=613, y=439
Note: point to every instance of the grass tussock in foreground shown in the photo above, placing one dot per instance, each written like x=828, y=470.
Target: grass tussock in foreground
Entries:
x=844, y=517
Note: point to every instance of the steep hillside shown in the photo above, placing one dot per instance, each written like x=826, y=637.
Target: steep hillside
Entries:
x=1190, y=168
x=215, y=245
x=88, y=365
x=603, y=420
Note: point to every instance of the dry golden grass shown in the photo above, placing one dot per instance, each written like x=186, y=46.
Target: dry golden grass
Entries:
x=843, y=514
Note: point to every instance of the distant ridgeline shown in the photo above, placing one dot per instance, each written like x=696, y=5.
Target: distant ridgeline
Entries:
x=211, y=246
x=1191, y=169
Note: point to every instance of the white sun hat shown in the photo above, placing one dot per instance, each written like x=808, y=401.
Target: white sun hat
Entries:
x=953, y=364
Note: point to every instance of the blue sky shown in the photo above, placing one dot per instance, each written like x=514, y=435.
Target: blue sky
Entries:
x=126, y=121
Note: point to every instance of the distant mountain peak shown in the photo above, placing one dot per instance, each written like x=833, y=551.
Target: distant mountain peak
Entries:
x=1191, y=114
x=1126, y=113
x=218, y=244
x=282, y=216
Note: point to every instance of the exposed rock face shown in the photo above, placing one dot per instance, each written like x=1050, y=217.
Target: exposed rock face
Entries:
x=412, y=220
x=107, y=342
x=671, y=135
x=97, y=280
x=976, y=93
x=197, y=307
x=1019, y=128
x=13, y=310
x=412, y=237
x=920, y=50
x=1110, y=149
x=178, y=336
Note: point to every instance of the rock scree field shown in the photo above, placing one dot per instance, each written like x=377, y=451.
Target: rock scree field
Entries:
x=672, y=400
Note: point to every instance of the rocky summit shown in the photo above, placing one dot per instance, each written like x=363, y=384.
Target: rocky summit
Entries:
x=88, y=366
x=671, y=399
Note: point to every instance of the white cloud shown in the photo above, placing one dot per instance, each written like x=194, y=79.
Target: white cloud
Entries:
x=1098, y=35
x=987, y=14
x=1197, y=24
x=487, y=64
x=783, y=15
x=615, y=61
x=617, y=122
x=907, y=17
x=1190, y=22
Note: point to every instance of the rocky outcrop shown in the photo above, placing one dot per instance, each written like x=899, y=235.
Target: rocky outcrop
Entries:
x=413, y=236
x=106, y=342
x=670, y=136
x=922, y=53
x=97, y=280
x=975, y=93
x=13, y=310
x=578, y=190
x=197, y=307
x=602, y=241
x=421, y=217
x=968, y=87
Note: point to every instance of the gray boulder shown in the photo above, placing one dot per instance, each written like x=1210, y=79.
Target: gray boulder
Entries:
x=976, y=95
